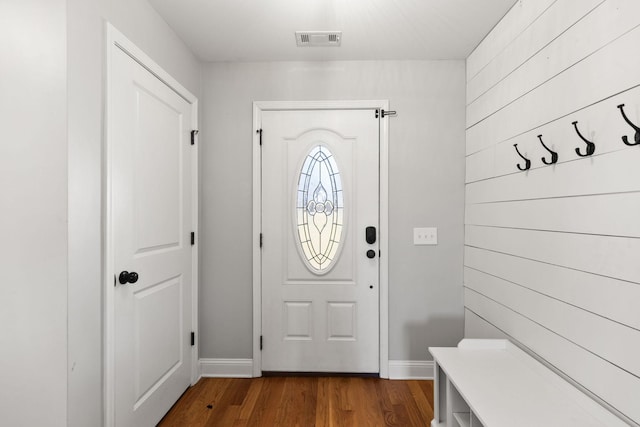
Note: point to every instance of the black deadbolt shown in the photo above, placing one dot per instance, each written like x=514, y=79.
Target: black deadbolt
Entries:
x=126, y=277
x=370, y=235
x=371, y=253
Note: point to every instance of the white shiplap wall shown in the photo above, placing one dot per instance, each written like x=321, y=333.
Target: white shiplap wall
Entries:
x=552, y=255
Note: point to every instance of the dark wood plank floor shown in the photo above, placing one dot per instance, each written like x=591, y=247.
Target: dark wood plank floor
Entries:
x=304, y=401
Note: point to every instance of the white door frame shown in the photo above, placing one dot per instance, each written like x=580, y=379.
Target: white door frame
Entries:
x=116, y=39
x=258, y=108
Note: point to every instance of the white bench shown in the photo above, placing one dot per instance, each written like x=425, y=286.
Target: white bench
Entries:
x=493, y=383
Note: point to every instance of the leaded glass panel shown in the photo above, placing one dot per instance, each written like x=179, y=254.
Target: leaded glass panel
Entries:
x=319, y=209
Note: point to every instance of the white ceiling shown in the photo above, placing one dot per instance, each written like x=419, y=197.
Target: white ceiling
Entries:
x=263, y=30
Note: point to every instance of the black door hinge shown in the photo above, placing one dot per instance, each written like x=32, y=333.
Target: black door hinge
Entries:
x=259, y=132
x=260, y=342
x=193, y=238
x=384, y=113
x=193, y=339
x=260, y=239
x=193, y=136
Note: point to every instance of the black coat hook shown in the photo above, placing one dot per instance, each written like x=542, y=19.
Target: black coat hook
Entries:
x=591, y=147
x=554, y=155
x=527, y=164
x=636, y=128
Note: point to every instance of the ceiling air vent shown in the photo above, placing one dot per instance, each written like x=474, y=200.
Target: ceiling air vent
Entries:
x=318, y=38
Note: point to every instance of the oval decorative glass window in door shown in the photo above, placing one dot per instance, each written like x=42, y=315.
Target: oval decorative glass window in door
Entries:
x=319, y=209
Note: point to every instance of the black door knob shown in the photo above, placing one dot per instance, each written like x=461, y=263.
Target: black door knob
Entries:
x=371, y=253
x=126, y=277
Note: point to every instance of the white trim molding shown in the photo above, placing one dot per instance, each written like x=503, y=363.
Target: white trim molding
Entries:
x=411, y=369
x=258, y=108
x=243, y=368
x=226, y=368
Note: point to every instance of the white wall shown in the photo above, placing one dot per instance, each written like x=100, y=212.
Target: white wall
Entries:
x=33, y=208
x=138, y=21
x=551, y=254
x=426, y=189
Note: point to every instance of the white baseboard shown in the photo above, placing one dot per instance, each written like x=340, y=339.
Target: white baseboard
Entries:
x=411, y=369
x=226, y=368
x=243, y=368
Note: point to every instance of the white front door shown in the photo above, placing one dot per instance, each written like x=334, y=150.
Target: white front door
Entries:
x=150, y=179
x=320, y=196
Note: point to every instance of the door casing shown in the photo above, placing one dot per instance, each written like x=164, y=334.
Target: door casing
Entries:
x=258, y=108
x=116, y=40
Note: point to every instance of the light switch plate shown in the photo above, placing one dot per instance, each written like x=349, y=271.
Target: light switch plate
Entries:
x=425, y=236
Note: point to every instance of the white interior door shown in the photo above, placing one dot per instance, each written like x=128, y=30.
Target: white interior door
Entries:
x=150, y=179
x=320, y=270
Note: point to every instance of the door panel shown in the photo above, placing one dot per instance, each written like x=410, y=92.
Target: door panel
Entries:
x=158, y=166
x=298, y=320
x=320, y=192
x=150, y=182
x=341, y=318
x=157, y=317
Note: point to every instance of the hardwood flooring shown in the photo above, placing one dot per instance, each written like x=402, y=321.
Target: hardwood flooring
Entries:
x=304, y=402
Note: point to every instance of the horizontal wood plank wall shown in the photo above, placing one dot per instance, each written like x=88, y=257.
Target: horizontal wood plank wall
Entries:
x=552, y=255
